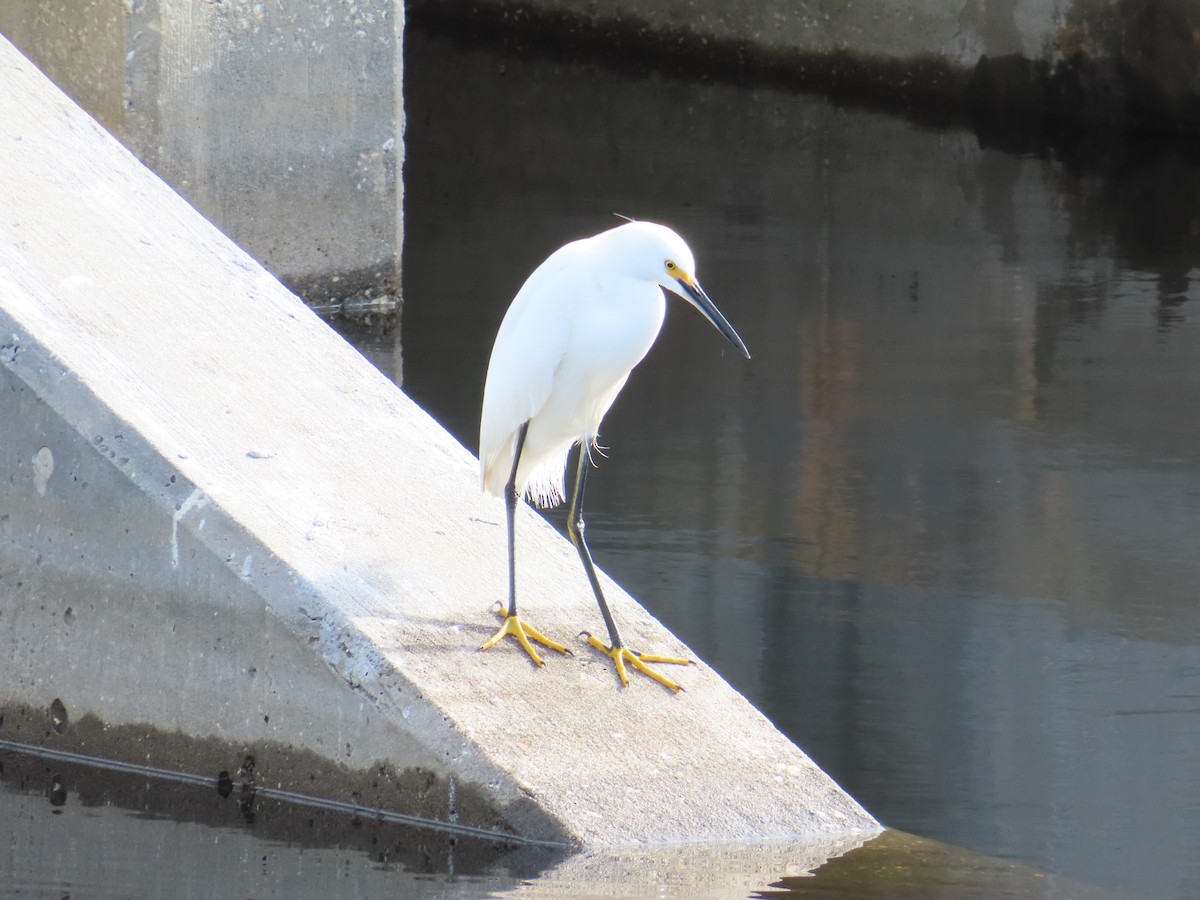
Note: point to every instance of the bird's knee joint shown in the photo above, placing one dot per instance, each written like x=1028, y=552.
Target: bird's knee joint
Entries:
x=575, y=529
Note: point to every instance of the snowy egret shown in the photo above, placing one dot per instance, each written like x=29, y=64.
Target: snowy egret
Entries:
x=575, y=330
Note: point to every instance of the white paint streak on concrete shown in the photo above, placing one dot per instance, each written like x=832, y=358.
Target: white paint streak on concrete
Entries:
x=43, y=468
x=195, y=500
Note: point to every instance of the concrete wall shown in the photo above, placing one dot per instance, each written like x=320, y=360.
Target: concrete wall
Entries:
x=283, y=123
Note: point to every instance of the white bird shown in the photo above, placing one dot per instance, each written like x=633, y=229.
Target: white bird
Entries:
x=575, y=330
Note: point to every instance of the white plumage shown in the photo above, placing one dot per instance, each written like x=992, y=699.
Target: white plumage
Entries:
x=581, y=322
x=575, y=330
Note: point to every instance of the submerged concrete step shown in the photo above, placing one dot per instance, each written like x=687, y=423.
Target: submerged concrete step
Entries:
x=224, y=531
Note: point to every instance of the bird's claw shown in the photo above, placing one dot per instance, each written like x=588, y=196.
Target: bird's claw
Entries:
x=620, y=656
x=523, y=632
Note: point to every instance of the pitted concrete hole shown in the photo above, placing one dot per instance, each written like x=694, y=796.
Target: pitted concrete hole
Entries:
x=58, y=791
x=58, y=716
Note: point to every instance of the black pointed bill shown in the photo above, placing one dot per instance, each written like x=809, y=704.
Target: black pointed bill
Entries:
x=691, y=291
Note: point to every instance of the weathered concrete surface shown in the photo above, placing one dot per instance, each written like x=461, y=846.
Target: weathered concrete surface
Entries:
x=280, y=122
x=221, y=520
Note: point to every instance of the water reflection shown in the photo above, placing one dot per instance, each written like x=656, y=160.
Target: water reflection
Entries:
x=898, y=865
x=87, y=831
x=942, y=529
x=215, y=849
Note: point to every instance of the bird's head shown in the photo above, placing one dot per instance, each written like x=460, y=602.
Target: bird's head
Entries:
x=656, y=253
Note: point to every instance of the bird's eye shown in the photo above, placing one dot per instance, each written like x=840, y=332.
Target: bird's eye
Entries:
x=671, y=265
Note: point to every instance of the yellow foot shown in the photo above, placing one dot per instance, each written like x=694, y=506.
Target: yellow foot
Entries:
x=620, y=656
x=522, y=631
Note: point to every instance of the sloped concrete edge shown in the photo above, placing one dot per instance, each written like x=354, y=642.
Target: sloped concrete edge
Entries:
x=265, y=527
x=201, y=633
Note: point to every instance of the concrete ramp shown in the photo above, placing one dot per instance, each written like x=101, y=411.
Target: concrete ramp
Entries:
x=223, y=531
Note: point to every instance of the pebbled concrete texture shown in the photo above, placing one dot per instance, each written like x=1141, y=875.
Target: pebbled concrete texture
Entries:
x=221, y=521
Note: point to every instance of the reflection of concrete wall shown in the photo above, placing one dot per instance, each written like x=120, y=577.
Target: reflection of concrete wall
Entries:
x=947, y=402
x=828, y=226
x=895, y=28
x=1155, y=33
x=279, y=122
x=1132, y=62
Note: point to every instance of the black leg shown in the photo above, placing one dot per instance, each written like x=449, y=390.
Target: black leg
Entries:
x=510, y=503
x=522, y=631
x=575, y=532
x=616, y=651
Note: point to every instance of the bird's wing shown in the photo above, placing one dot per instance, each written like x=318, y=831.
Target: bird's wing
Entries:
x=529, y=348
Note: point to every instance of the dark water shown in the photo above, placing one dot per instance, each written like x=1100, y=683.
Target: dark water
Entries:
x=943, y=528
x=77, y=830
x=74, y=830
